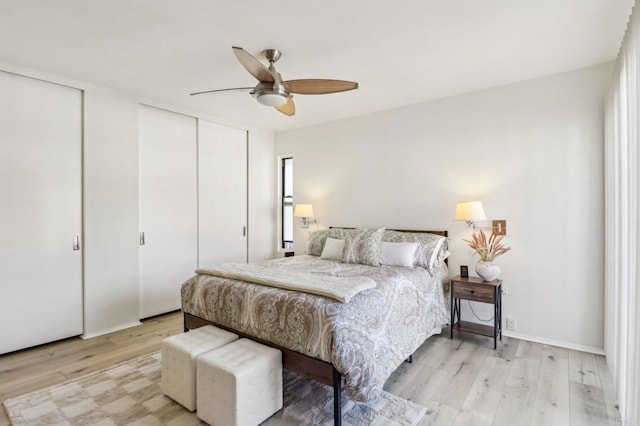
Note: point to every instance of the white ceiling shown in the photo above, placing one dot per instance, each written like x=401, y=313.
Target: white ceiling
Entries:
x=401, y=52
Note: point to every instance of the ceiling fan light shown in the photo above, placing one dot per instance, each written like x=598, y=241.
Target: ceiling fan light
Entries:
x=272, y=99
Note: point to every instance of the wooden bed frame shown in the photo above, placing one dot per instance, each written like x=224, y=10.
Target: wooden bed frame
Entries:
x=321, y=371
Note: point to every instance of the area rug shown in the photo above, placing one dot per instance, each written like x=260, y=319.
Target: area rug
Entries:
x=129, y=394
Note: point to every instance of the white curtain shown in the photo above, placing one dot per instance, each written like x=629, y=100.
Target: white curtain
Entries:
x=622, y=197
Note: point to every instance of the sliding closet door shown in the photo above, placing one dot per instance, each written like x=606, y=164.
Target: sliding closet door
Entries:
x=40, y=212
x=168, y=208
x=222, y=194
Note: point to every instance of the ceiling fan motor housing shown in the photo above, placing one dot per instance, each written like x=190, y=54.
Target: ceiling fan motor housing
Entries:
x=270, y=94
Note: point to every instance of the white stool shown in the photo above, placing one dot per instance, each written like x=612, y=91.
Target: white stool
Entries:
x=239, y=384
x=179, y=355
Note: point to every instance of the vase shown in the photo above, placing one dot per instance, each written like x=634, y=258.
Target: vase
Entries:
x=488, y=271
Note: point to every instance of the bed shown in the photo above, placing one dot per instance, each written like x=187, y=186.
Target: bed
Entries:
x=359, y=341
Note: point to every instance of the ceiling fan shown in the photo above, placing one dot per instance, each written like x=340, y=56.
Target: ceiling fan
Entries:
x=271, y=90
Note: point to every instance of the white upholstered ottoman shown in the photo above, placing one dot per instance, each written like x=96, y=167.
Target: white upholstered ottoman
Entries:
x=239, y=384
x=179, y=355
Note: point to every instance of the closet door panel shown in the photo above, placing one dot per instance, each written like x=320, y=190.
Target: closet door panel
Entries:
x=168, y=208
x=222, y=194
x=40, y=212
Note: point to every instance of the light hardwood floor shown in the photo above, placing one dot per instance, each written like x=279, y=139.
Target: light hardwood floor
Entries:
x=465, y=381
x=461, y=381
x=46, y=365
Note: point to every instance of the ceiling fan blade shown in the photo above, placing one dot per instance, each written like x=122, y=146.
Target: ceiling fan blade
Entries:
x=287, y=109
x=319, y=86
x=254, y=66
x=221, y=90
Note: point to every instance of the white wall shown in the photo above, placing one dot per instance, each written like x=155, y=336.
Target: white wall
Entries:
x=531, y=152
x=110, y=199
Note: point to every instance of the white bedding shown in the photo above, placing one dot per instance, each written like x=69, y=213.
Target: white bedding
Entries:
x=334, y=287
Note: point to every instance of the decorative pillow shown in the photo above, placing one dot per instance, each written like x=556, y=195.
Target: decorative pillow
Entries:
x=443, y=254
x=316, y=241
x=362, y=246
x=338, y=233
x=432, y=248
x=398, y=254
x=332, y=249
x=439, y=253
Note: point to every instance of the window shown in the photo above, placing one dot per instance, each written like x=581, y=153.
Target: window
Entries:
x=287, y=203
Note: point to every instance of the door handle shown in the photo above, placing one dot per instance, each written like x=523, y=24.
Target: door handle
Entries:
x=142, y=238
x=244, y=231
x=76, y=242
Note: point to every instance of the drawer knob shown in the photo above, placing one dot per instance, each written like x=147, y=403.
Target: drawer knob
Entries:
x=472, y=291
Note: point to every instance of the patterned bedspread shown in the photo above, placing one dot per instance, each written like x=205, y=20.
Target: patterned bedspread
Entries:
x=366, y=339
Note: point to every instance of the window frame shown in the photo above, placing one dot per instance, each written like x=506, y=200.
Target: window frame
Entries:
x=286, y=245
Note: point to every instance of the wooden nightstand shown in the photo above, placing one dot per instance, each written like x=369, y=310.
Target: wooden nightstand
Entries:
x=474, y=289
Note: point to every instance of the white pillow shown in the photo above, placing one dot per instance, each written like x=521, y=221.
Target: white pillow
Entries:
x=332, y=249
x=398, y=254
x=438, y=255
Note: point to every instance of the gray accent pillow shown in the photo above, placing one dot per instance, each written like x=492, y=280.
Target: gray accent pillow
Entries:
x=362, y=246
x=316, y=241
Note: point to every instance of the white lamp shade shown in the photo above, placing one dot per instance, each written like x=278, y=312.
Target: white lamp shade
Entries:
x=470, y=211
x=303, y=210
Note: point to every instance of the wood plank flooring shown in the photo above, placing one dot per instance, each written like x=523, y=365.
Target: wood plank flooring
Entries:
x=465, y=382
x=59, y=362
x=461, y=381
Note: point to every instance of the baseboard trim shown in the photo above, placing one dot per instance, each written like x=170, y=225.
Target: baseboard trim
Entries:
x=110, y=330
x=573, y=346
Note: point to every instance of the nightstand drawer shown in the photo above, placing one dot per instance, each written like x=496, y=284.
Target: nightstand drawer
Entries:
x=474, y=292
